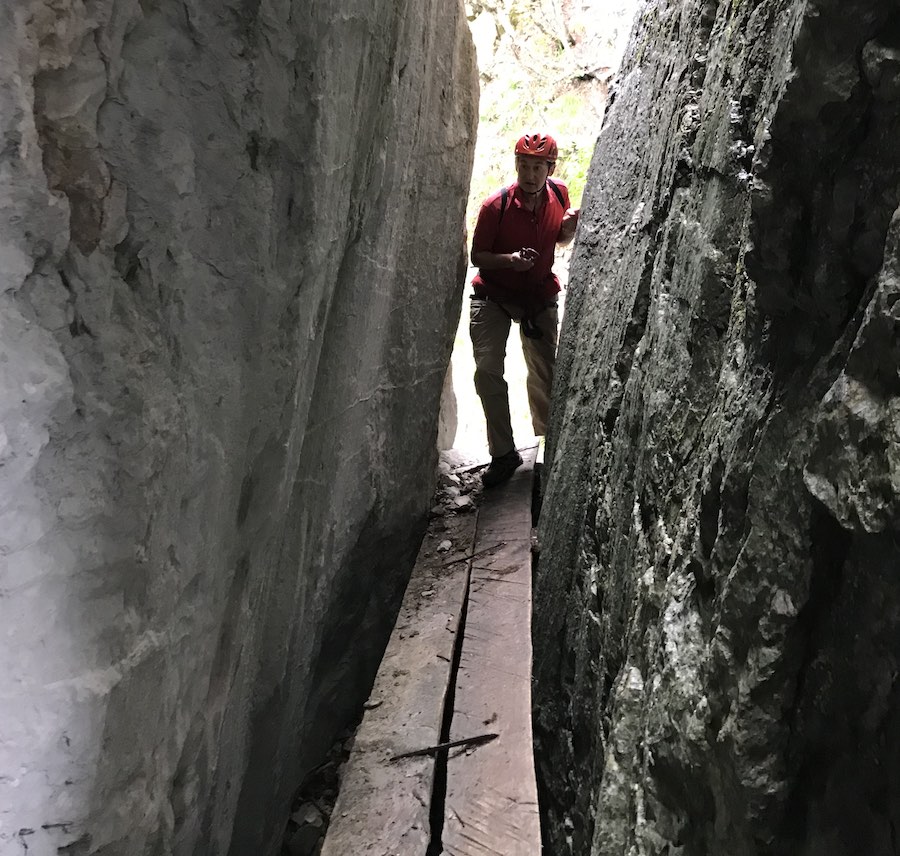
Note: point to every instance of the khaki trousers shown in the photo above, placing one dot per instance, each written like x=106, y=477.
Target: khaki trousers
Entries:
x=489, y=328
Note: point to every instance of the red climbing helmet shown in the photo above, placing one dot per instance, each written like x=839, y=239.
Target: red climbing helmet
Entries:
x=538, y=145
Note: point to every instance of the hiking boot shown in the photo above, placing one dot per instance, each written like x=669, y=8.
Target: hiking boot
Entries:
x=501, y=469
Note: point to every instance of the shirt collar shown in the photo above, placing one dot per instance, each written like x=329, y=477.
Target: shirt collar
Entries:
x=517, y=197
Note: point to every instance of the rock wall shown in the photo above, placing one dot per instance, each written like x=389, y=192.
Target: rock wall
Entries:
x=232, y=254
x=717, y=625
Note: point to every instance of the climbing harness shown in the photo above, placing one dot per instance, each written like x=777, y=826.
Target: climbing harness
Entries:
x=530, y=329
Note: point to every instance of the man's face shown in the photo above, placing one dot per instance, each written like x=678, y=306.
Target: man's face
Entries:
x=531, y=172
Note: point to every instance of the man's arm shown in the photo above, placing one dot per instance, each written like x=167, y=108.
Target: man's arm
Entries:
x=567, y=228
x=484, y=237
x=519, y=261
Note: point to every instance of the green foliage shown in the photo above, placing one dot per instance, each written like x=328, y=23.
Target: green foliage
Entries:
x=534, y=84
x=519, y=110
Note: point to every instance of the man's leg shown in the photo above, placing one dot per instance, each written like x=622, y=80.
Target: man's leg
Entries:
x=489, y=329
x=540, y=359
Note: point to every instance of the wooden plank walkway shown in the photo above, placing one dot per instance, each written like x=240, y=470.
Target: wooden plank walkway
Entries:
x=490, y=808
x=383, y=807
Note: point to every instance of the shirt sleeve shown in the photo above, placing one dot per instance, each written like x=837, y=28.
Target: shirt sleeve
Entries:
x=486, y=228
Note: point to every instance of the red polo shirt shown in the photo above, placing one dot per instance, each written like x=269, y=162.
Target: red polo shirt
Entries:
x=519, y=228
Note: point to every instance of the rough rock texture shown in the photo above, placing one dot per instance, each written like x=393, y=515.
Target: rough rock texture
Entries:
x=718, y=602
x=232, y=256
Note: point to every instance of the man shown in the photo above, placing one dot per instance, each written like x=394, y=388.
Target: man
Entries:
x=513, y=247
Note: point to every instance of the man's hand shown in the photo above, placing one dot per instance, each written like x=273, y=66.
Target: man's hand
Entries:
x=519, y=261
x=523, y=259
x=567, y=228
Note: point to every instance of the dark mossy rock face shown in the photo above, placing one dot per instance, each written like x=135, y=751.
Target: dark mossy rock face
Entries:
x=717, y=613
x=232, y=258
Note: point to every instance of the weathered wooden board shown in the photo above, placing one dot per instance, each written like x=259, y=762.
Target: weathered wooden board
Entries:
x=491, y=806
x=383, y=806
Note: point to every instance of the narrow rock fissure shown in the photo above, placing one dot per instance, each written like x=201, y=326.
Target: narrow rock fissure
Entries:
x=536, y=498
x=439, y=789
x=544, y=796
x=216, y=454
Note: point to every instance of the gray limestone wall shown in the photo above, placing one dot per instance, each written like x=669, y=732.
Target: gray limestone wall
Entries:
x=717, y=610
x=231, y=250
